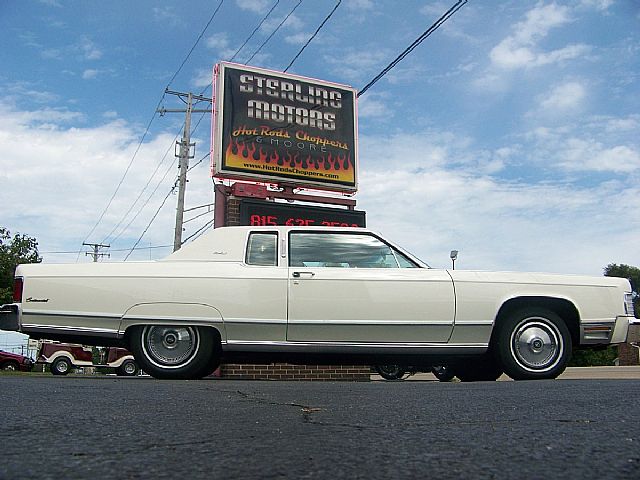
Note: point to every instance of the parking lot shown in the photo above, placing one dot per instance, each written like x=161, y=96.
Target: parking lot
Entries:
x=87, y=427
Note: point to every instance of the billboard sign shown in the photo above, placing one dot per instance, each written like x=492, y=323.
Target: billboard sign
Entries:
x=261, y=213
x=279, y=128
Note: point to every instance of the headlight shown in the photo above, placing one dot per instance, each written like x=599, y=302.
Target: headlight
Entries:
x=628, y=304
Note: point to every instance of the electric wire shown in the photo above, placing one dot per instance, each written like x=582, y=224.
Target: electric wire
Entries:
x=457, y=6
x=149, y=224
x=314, y=35
x=200, y=231
x=169, y=168
x=255, y=30
x=274, y=32
x=196, y=42
x=155, y=111
x=142, y=192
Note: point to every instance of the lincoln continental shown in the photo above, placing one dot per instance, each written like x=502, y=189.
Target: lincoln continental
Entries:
x=319, y=295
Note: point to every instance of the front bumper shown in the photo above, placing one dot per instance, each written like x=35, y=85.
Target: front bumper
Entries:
x=10, y=317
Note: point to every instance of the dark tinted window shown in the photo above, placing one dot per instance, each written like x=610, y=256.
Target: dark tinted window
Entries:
x=262, y=249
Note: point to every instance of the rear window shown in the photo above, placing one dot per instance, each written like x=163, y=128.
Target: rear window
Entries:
x=262, y=249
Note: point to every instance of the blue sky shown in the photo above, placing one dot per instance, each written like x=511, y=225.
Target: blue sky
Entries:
x=511, y=134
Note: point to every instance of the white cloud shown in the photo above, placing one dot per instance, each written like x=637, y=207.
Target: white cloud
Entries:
x=255, y=6
x=359, y=5
x=64, y=176
x=90, y=74
x=564, y=97
x=417, y=194
x=520, y=49
x=219, y=42
x=89, y=49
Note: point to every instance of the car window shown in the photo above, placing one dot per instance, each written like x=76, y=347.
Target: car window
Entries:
x=340, y=250
x=262, y=249
x=404, y=261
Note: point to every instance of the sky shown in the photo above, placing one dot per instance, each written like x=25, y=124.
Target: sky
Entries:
x=511, y=134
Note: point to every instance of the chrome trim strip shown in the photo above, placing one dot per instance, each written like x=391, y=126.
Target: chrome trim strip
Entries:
x=389, y=323
x=70, y=314
x=279, y=321
x=172, y=318
x=349, y=347
x=61, y=328
x=473, y=322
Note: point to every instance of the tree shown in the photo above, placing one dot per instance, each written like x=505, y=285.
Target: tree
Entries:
x=632, y=273
x=14, y=250
x=607, y=356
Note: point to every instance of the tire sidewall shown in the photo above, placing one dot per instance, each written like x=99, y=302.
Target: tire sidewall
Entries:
x=55, y=369
x=194, y=367
x=508, y=359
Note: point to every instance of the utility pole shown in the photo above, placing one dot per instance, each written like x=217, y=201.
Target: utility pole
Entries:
x=184, y=155
x=96, y=250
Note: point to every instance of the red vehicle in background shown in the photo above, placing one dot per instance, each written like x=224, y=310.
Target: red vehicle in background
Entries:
x=14, y=362
x=64, y=357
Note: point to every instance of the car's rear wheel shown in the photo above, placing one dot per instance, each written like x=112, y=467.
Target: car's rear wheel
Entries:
x=533, y=344
x=61, y=366
x=390, y=372
x=129, y=368
x=174, y=352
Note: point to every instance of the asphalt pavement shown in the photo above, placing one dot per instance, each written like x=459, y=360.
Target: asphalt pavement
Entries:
x=88, y=427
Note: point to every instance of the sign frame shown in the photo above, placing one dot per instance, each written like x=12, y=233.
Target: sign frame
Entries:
x=282, y=149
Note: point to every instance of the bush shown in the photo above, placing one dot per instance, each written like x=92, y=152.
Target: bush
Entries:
x=594, y=358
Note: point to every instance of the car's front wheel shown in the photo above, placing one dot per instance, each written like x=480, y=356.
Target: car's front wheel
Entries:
x=533, y=344
x=174, y=352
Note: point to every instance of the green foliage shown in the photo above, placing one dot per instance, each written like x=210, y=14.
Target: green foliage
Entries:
x=594, y=358
x=629, y=272
x=14, y=251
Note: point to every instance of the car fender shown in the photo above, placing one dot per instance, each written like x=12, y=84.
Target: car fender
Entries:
x=173, y=313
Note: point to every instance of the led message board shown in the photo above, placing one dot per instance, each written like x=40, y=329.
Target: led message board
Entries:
x=261, y=213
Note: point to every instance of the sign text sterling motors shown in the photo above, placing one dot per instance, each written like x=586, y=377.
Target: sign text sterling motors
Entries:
x=281, y=128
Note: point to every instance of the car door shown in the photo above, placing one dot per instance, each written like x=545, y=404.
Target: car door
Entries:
x=351, y=287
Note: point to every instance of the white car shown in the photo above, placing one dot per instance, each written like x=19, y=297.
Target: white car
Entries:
x=319, y=295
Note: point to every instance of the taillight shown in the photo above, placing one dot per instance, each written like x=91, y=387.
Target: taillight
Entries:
x=17, y=289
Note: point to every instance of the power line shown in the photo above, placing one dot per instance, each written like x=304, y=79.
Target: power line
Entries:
x=200, y=231
x=274, y=32
x=196, y=43
x=149, y=224
x=149, y=125
x=142, y=191
x=145, y=203
x=416, y=42
x=255, y=30
x=314, y=35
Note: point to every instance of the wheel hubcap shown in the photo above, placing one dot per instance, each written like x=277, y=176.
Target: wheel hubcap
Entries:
x=170, y=346
x=536, y=344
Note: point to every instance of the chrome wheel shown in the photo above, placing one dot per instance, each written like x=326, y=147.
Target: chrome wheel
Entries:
x=536, y=344
x=170, y=346
x=130, y=368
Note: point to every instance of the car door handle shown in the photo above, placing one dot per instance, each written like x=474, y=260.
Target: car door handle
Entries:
x=300, y=274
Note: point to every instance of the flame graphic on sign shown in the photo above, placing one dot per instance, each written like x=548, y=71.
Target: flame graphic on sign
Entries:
x=322, y=166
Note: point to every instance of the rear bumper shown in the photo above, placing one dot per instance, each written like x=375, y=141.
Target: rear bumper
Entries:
x=10, y=317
